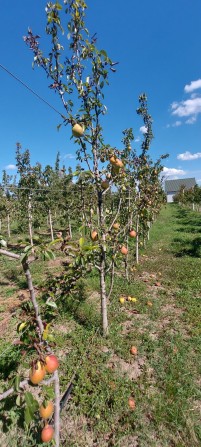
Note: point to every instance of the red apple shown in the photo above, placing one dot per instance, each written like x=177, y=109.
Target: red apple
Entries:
x=124, y=250
x=132, y=233
x=51, y=363
x=47, y=433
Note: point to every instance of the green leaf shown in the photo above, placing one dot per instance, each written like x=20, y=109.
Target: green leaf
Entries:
x=89, y=247
x=28, y=415
x=27, y=248
x=51, y=254
x=81, y=241
x=58, y=6
x=28, y=398
x=17, y=383
x=19, y=400
x=45, y=332
x=50, y=337
x=51, y=304
x=103, y=52
x=31, y=402
x=55, y=241
x=24, y=256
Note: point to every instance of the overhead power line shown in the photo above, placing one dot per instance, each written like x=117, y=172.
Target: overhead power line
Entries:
x=30, y=89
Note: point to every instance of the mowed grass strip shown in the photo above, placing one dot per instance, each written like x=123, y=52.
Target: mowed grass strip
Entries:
x=163, y=323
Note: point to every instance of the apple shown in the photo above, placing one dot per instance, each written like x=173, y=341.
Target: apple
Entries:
x=94, y=235
x=113, y=160
x=37, y=373
x=131, y=403
x=105, y=184
x=119, y=163
x=121, y=299
x=116, y=226
x=124, y=250
x=133, y=350
x=47, y=433
x=116, y=162
x=51, y=363
x=132, y=233
x=46, y=410
x=78, y=130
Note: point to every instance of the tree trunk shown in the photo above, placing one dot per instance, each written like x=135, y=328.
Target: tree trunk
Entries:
x=102, y=267
x=51, y=227
x=103, y=296
x=70, y=228
x=111, y=281
x=8, y=224
x=137, y=240
x=30, y=221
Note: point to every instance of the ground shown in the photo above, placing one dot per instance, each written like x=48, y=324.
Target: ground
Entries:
x=163, y=323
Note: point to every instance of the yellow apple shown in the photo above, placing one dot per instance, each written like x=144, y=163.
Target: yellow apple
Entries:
x=78, y=130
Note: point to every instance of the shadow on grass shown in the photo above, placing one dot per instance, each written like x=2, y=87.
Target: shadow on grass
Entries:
x=9, y=361
x=187, y=247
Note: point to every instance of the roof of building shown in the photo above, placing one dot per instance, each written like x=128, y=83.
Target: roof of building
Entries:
x=175, y=185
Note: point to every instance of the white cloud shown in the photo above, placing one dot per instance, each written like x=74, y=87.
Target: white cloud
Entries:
x=177, y=124
x=69, y=156
x=187, y=108
x=191, y=120
x=188, y=156
x=194, y=85
x=11, y=167
x=137, y=139
x=173, y=171
x=143, y=129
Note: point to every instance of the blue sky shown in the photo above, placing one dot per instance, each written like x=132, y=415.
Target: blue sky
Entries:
x=157, y=44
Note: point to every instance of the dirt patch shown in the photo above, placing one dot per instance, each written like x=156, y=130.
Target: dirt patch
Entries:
x=55, y=263
x=127, y=327
x=132, y=370
x=128, y=441
x=76, y=430
x=67, y=328
x=11, y=304
x=172, y=310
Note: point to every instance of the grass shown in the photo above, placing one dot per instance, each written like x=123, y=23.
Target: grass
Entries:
x=164, y=377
